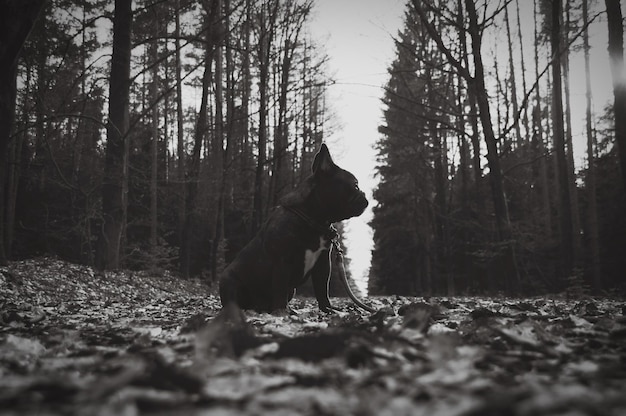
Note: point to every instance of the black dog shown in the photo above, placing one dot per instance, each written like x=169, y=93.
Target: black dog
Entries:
x=295, y=242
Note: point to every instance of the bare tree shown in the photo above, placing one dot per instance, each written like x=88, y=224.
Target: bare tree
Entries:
x=538, y=136
x=115, y=182
x=154, y=144
x=518, y=134
x=565, y=210
x=294, y=16
x=192, y=176
x=569, y=146
x=267, y=26
x=18, y=18
x=520, y=39
x=476, y=82
x=180, y=129
x=590, y=180
x=616, y=54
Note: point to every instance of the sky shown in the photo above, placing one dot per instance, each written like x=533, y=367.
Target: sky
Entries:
x=357, y=36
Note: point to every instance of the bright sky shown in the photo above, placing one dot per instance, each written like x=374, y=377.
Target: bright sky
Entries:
x=357, y=36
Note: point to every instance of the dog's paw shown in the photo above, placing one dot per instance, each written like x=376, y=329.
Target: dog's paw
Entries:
x=292, y=312
x=330, y=309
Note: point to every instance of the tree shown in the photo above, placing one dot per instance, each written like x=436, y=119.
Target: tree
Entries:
x=266, y=17
x=616, y=54
x=154, y=143
x=115, y=183
x=538, y=137
x=18, y=18
x=409, y=221
x=590, y=179
x=518, y=134
x=293, y=17
x=180, y=125
x=192, y=177
x=565, y=209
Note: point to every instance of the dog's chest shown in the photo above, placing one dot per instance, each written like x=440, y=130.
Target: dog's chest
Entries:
x=311, y=255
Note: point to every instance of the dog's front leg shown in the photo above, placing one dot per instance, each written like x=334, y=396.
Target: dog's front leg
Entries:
x=320, y=275
x=282, y=287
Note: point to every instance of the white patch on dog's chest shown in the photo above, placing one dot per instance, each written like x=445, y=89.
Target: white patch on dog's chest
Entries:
x=310, y=256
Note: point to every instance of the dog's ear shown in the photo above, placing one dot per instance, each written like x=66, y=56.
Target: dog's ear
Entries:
x=323, y=163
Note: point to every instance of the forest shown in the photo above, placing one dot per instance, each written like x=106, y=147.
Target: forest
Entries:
x=158, y=135
x=479, y=191
x=144, y=142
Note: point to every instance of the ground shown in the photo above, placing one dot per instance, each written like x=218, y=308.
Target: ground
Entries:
x=77, y=342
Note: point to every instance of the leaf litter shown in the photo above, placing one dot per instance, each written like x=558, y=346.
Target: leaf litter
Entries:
x=75, y=341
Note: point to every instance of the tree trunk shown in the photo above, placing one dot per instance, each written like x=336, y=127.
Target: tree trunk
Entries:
x=473, y=118
x=590, y=181
x=115, y=181
x=154, y=145
x=193, y=174
x=267, y=20
x=17, y=18
x=482, y=101
x=230, y=148
x=543, y=168
x=13, y=180
x=292, y=26
x=279, y=174
x=616, y=54
x=475, y=140
x=518, y=134
x=463, y=147
x=246, y=149
x=571, y=179
x=522, y=66
x=495, y=171
x=180, y=142
x=218, y=162
x=565, y=210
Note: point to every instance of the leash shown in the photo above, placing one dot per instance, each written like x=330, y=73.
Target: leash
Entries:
x=338, y=253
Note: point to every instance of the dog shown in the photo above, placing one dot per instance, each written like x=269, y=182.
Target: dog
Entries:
x=295, y=242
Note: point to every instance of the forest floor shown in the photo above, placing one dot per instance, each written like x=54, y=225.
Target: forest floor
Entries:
x=77, y=342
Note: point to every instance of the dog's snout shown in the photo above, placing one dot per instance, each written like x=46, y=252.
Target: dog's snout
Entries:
x=359, y=201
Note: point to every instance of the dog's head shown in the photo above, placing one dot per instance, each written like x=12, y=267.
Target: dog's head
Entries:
x=332, y=192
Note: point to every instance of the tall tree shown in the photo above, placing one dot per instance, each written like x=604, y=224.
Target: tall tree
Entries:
x=180, y=124
x=565, y=209
x=520, y=39
x=267, y=26
x=616, y=55
x=293, y=17
x=217, y=145
x=115, y=182
x=154, y=143
x=569, y=145
x=16, y=21
x=192, y=176
x=590, y=179
x=478, y=88
x=518, y=134
x=538, y=136
x=473, y=110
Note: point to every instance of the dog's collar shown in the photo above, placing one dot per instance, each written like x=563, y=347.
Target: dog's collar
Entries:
x=326, y=229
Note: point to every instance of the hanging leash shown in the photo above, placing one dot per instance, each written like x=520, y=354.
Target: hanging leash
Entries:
x=338, y=253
